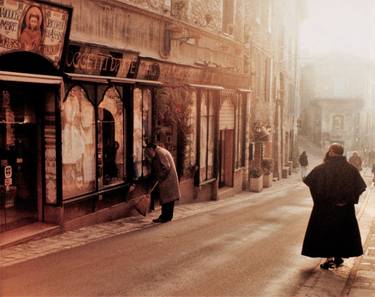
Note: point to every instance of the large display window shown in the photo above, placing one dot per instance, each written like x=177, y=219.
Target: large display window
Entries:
x=207, y=136
x=111, y=138
x=78, y=144
x=142, y=128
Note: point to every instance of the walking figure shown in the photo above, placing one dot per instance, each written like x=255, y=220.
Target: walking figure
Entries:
x=356, y=161
x=303, y=162
x=333, y=231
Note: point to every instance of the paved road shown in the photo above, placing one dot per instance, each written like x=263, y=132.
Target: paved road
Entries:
x=247, y=246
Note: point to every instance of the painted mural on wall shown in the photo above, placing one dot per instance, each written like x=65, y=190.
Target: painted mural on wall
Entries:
x=31, y=26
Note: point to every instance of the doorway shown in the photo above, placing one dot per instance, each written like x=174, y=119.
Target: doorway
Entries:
x=226, y=158
x=20, y=143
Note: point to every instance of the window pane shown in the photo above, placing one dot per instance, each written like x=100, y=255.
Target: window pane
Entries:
x=137, y=133
x=78, y=143
x=146, y=123
x=111, y=138
x=211, y=140
x=191, y=138
x=203, y=138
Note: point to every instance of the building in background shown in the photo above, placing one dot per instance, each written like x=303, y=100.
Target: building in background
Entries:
x=337, y=101
x=272, y=29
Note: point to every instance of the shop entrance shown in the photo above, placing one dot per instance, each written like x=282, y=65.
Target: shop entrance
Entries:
x=226, y=158
x=20, y=143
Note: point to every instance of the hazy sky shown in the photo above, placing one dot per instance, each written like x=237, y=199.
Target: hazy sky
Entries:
x=337, y=25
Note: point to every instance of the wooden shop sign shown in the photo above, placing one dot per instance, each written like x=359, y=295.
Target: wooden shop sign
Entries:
x=96, y=60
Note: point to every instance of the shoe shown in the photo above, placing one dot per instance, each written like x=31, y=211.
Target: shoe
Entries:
x=329, y=264
x=338, y=261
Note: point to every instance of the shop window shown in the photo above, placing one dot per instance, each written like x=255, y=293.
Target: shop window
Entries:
x=78, y=144
x=111, y=139
x=207, y=137
x=191, y=138
x=142, y=128
x=240, y=131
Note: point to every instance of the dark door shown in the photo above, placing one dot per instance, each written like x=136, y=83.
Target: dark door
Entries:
x=226, y=158
x=19, y=152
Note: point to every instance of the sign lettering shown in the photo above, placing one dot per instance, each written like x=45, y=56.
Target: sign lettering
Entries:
x=99, y=61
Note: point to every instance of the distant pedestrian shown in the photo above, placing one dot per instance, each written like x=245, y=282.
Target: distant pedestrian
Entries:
x=304, y=163
x=356, y=161
x=163, y=170
x=333, y=231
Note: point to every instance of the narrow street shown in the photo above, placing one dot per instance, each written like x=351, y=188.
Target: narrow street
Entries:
x=251, y=248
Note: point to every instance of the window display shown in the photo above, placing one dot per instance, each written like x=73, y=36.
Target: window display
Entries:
x=78, y=143
x=207, y=137
x=142, y=127
x=111, y=138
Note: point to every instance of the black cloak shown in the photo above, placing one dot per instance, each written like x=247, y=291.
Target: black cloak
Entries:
x=332, y=230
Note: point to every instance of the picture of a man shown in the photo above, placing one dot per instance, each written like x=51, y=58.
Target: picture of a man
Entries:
x=31, y=34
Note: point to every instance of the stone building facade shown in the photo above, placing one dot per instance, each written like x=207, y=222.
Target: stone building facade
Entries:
x=335, y=105
x=98, y=80
x=272, y=36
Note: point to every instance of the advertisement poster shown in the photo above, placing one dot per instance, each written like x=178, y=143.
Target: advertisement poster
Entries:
x=34, y=27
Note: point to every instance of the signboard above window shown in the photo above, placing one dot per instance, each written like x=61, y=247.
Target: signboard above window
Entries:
x=98, y=60
x=34, y=27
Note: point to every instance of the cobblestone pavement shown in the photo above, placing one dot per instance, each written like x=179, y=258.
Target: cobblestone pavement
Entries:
x=71, y=239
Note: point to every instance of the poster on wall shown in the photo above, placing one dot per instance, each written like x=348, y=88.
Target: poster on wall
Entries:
x=35, y=27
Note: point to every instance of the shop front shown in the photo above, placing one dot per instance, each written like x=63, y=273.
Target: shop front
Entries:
x=202, y=124
x=31, y=50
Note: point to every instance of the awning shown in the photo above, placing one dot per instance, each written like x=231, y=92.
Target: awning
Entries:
x=113, y=79
x=211, y=87
x=30, y=78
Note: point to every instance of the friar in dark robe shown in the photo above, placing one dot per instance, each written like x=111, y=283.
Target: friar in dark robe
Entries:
x=333, y=231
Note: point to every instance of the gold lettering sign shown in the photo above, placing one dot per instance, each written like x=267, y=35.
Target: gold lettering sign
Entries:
x=32, y=26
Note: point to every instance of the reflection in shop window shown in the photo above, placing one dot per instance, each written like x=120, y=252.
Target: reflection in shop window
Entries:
x=142, y=127
x=78, y=143
x=111, y=138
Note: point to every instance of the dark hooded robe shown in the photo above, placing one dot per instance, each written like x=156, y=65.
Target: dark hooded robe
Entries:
x=332, y=230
